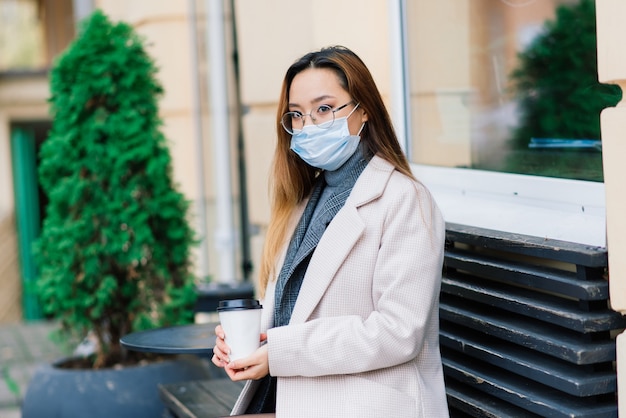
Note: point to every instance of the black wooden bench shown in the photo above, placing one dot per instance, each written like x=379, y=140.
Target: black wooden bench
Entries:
x=201, y=398
x=526, y=328
x=526, y=331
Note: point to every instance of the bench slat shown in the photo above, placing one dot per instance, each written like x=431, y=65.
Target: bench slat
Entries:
x=572, y=379
x=549, y=308
x=555, y=341
x=479, y=404
x=532, y=396
x=525, y=321
x=569, y=252
x=201, y=398
x=539, y=277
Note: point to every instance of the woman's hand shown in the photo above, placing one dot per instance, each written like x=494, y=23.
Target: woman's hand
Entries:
x=221, y=349
x=253, y=367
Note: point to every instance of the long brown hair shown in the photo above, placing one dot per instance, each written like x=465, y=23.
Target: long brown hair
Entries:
x=292, y=179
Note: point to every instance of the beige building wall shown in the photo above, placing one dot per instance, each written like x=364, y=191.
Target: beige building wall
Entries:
x=166, y=29
x=270, y=38
x=612, y=69
x=23, y=98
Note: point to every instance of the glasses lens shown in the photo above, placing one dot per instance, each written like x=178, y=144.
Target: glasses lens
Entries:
x=324, y=117
x=288, y=120
x=294, y=121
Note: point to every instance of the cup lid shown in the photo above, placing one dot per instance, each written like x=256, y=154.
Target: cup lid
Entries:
x=238, y=304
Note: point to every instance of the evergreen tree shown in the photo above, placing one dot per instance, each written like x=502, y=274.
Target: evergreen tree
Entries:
x=114, y=252
x=556, y=80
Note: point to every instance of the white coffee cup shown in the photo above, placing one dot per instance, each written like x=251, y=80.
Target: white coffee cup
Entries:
x=241, y=321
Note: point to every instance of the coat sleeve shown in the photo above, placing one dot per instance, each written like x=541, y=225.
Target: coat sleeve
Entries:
x=406, y=280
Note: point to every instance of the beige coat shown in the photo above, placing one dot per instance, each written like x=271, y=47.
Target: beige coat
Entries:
x=363, y=339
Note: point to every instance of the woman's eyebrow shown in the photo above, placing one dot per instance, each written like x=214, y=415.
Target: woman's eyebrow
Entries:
x=315, y=100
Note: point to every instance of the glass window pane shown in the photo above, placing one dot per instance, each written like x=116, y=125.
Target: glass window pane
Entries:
x=21, y=35
x=507, y=85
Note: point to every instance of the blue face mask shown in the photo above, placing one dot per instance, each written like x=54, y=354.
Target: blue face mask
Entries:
x=328, y=148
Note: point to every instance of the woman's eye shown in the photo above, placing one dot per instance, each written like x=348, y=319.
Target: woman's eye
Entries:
x=296, y=115
x=323, y=109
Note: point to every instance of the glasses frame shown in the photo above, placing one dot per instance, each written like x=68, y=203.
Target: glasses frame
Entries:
x=323, y=125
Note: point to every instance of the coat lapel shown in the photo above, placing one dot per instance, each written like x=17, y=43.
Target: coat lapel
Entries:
x=339, y=238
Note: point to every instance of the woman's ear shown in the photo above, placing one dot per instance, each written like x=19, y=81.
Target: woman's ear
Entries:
x=363, y=117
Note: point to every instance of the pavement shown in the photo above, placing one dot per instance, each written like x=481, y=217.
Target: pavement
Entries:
x=23, y=348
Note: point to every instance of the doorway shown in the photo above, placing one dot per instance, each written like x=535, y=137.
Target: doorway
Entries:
x=30, y=202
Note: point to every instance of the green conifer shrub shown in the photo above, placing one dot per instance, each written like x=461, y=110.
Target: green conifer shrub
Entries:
x=114, y=252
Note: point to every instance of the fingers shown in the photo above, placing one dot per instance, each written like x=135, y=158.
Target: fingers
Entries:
x=247, y=373
x=221, y=350
x=219, y=331
x=221, y=355
x=220, y=359
x=215, y=360
x=253, y=367
x=236, y=371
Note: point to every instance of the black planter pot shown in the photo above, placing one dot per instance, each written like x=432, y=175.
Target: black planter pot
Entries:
x=128, y=392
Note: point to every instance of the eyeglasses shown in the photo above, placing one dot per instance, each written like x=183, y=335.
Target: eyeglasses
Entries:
x=323, y=117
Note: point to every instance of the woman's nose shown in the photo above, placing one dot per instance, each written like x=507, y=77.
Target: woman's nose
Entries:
x=304, y=117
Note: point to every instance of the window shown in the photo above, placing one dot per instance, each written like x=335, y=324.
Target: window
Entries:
x=33, y=33
x=506, y=85
x=504, y=108
x=21, y=36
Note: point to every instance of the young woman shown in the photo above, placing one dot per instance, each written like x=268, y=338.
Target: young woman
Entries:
x=351, y=268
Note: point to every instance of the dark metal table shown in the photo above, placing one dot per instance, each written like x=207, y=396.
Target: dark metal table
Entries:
x=205, y=398
x=182, y=339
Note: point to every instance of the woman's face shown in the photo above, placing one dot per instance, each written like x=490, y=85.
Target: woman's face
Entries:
x=315, y=87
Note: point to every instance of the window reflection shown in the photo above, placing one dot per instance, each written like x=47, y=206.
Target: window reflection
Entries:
x=21, y=36
x=507, y=85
